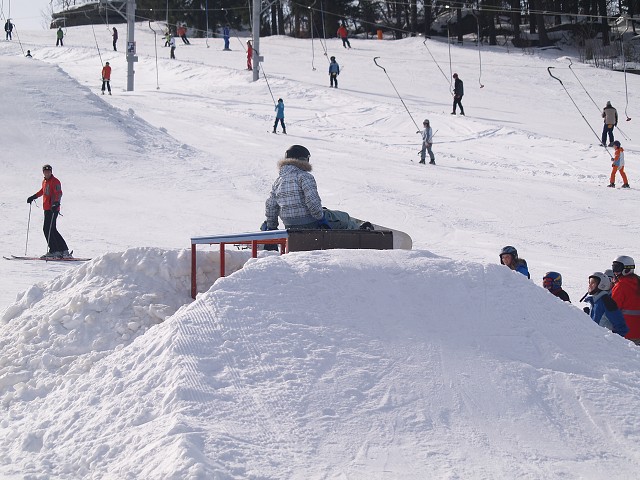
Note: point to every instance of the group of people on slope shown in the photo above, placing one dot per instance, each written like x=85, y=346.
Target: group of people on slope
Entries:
x=613, y=296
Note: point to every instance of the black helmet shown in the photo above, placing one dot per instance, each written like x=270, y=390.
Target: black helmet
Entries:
x=508, y=250
x=298, y=152
x=46, y=167
x=616, y=144
x=333, y=58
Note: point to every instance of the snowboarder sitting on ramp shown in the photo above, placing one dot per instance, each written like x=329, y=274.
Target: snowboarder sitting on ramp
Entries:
x=294, y=198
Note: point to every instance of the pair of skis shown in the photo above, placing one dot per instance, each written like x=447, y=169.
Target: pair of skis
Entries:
x=47, y=259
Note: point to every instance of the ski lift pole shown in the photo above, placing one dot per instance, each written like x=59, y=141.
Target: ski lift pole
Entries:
x=624, y=68
x=398, y=93
x=591, y=98
x=479, y=55
x=206, y=9
x=313, y=53
x=436, y=62
x=578, y=108
x=155, y=42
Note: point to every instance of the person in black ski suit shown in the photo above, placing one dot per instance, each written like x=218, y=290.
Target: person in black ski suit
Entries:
x=458, y=92
x=8, y=28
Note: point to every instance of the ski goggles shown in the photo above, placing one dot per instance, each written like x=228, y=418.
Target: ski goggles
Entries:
x=617, y=267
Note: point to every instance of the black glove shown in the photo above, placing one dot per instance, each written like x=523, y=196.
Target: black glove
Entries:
x=55, y=207
x=31, y=199
x=586, y=310
x=264, y=227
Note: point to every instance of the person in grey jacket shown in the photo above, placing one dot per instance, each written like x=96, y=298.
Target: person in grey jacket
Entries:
x=427, y=141
x=294, y=195
x=610, y=116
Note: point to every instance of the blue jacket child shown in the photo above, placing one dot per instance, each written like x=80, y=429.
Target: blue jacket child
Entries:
x=334, y=71
x=604, y=310
x=280, y=116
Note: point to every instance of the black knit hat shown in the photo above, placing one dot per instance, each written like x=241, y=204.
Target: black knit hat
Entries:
x=298, y=152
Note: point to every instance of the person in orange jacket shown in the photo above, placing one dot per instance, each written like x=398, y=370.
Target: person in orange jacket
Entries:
x=106, y=77
x=51, y=193
x=344, y=36
x=617, y=165
x=626, y=293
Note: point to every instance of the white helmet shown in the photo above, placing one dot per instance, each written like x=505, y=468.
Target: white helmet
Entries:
x=604, y=283
x=623, y=265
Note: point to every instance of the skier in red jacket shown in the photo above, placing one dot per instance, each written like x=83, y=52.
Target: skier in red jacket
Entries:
x=249, y=55
x=626, y=293
x=51, y=193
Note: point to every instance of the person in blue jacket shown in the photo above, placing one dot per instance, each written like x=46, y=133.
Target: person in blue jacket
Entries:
x=604, y=310
x=279, y=117
x=509, y=257
x=334, y=71
x=225, y=35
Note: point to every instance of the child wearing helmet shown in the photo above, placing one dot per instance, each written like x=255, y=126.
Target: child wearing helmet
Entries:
x=604, y=310
x=552, y=281
x=509, y=257
x=617, y=165
x=334, y=71
x=626, y=293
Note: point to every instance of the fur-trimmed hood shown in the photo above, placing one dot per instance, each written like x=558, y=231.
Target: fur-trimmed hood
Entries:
x=301, y=164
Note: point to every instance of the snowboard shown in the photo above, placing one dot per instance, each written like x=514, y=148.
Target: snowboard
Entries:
x=401, y=240
x=71, y=259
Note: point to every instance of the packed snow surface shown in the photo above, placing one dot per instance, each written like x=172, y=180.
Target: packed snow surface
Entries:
x=431, y=363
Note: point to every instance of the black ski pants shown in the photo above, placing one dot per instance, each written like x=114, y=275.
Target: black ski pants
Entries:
x=457, y=101
x=275, y=125
x=54, y=240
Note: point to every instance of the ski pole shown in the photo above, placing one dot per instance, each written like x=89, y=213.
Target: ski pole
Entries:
x=578, y=108
x=28, y=224
x=394, y=87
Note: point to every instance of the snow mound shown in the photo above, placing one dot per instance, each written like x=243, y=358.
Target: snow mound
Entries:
x=356, y=359
x=57, y=330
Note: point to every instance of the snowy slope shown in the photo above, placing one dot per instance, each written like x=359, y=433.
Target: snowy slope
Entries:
x=435, y=363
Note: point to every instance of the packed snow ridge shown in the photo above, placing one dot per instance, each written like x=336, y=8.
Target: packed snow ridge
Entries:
x=309, y=365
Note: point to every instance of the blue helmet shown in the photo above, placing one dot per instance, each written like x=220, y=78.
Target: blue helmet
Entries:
x=552, y=281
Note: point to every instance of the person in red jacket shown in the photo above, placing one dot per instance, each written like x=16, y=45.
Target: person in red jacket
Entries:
x=249, y=55
x=51, y=193
x=626, y=293
x=344, y=36
x=106, y=77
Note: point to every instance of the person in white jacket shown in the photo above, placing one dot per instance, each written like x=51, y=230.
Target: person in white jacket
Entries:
x=427, y=141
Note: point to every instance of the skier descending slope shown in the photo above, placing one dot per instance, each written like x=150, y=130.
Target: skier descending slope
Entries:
x=51, y=193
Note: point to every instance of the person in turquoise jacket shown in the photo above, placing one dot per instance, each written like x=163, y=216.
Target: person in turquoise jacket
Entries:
x=279, y=117
x=509, y=257
x=604, y=310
